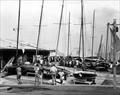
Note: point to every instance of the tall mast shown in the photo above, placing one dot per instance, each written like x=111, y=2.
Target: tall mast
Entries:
x=82, y=29
x=39, y=30
x=59, y=27
x=80, y=42
x=93, y=33
x=68, y=35
x=107, y=41
x=18, y=28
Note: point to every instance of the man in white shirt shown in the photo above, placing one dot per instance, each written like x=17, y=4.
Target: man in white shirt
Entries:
x=53, y=71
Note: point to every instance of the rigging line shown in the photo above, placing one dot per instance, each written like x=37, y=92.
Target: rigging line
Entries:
x=100, y=46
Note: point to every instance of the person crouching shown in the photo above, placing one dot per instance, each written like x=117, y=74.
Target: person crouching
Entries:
x=61, y=73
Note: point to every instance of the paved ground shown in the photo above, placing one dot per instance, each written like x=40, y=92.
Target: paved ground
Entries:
x=62, y=90
x=28, y=88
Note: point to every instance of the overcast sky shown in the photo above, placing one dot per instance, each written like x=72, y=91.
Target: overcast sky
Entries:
x=106, y=11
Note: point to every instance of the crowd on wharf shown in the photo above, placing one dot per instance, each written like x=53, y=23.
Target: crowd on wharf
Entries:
x=48, y=65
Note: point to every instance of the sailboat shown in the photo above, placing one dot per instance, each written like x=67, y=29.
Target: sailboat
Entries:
x=25, y=68
x=8, y=66
x=79, y=75
x=84, y=76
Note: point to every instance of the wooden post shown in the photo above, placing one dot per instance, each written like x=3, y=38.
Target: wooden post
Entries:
x=114, y=54
x=111, y=45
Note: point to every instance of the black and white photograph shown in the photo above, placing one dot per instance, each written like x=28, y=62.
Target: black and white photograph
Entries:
x=59, y=47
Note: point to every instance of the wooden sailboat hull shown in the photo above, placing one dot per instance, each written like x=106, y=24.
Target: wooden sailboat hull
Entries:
x=84, y=76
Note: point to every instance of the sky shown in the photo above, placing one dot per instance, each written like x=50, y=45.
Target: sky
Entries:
x=106, y=11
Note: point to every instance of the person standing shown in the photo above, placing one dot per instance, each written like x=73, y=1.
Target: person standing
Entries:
x=41, y=61
x=53, y=71
x=41, y=73
x=36, y=68
x=19, y=74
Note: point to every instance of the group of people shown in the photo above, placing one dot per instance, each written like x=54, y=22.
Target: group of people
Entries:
x=38, y=68
x=71, y=63
x=39, y=71
x=66, y=61
x=54, y=72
